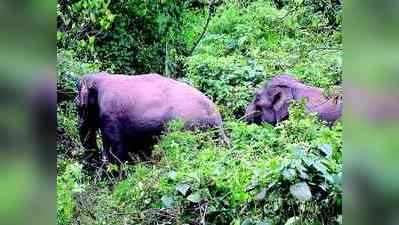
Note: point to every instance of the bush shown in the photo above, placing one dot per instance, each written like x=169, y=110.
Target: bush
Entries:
x=270, y=174
x=125, y=36
x=229, y=81
x=287, y=174
x=68, y=183
x=245, y=46
x=69, y=70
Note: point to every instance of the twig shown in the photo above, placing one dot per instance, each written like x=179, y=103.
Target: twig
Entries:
x=203, y=210
x=248, y=114
x=326, y=48
x=210, y=13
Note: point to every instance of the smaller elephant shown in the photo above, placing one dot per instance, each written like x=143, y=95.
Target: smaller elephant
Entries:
x=131, y=111
x=272, y=101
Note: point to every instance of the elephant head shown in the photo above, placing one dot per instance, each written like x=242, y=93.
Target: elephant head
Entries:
x=88, y=110
x=272, y=101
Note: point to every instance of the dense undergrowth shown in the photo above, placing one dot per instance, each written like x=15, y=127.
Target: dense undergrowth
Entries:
x=287, y=174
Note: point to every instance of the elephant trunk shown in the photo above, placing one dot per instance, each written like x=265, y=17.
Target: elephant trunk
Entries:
x=252, y=115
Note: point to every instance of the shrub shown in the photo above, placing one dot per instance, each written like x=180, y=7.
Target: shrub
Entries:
x=126, y=36
x=69, y=69
x=229, y=81
x=68, y=183
x=246, y=46
x=289, y=172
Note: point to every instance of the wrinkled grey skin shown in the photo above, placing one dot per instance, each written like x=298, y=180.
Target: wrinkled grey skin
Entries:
x=130, y=111
x=271, y=102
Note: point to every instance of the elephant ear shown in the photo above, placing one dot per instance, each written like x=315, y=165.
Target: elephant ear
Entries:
x=281, y=97
x=87, y=94
x=83, y=95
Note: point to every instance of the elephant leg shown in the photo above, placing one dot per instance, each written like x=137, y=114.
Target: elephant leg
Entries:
x=113, y=143
x=144, y=147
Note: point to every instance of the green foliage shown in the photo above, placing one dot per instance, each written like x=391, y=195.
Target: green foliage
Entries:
x=287, y=174
x=126, y=36
x=247, y=45
x=268, y=174
x=68, y=183
x=69, y=69
x=68, y=143
x=229, y=81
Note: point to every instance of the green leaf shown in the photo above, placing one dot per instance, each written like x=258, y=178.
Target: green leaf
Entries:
x=326, y=149
x=247, y=222
x=298, y=2
x=183, y=188
x=167, y=201
x=298, y=151
x=303, y=175
x=320, y=167
x=252, y=185
x=302, y=172
x=261, y=195
x=172, y=175
x=194, y=197
x=211, y=209
x=293, y=220
x=309, y=161
x=264, y=223
x=301, y=191
x=289, y=174
x=339, y=219
x=196, y=176
x=338, y=179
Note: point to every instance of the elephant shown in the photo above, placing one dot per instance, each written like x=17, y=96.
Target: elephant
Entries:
x=132, y=110
x=272, y=101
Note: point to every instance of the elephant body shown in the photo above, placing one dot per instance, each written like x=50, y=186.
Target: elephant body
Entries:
x=272, y=101
x=130, y=111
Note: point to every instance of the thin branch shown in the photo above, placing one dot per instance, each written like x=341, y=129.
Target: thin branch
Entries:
x=210, y=14
x=247, y=115
x=327, y=49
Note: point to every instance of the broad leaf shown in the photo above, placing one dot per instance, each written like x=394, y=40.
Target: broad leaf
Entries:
x=292, y=221
x=289, y=174
x=261, y=195
x=302, y=172
x=301, y=191
x=264, y=223
x=339, y=219
x=252, y=185
x=194, y=197
x=320, y=167
x=167, y=201
x=298, y=152
x=326, y=149
x=172, y=175
x=247, y=222
x=183, y=188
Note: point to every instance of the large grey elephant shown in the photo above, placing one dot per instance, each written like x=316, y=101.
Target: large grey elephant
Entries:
x=131, y=110
x=272, y=101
